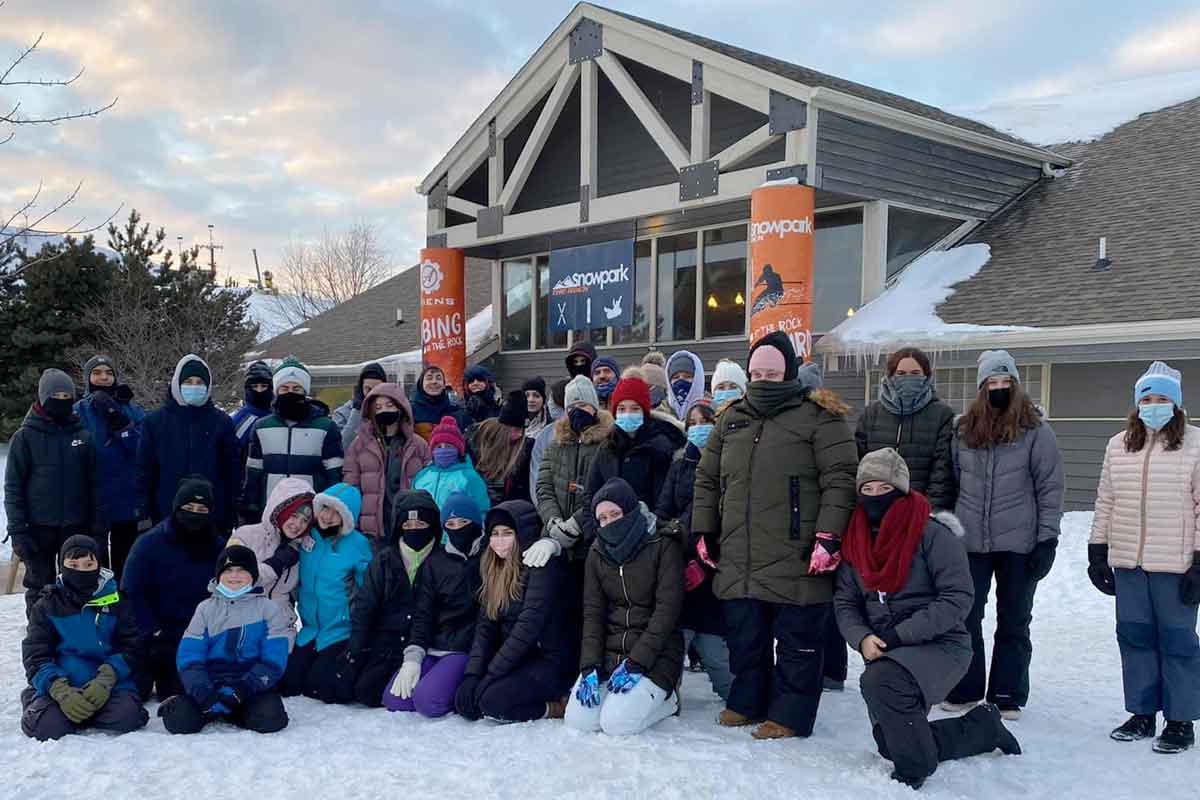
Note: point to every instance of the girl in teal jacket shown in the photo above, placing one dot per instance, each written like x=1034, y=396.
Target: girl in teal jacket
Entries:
x=451, y=470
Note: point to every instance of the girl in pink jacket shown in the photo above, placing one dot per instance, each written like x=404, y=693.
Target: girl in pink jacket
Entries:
x=1145, y=550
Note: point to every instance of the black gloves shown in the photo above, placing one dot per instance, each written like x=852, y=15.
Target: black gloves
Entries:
x=1189, y=584
x=284, y=556
x=1099, y=571
x=466, y=699
x=25, y=546
x=357, y=401
x=1042, y=558
x=107, y=407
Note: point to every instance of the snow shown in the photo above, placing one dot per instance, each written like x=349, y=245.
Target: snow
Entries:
x=299, y=331
x=1087, y=113
x=265, y=310
x=906, y=312
x=330, y=751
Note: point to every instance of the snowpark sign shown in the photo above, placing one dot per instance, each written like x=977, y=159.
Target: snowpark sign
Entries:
x=592, y=286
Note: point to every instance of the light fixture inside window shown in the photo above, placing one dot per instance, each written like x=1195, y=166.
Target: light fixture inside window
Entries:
x=712, y=301
x=741, y=301
x=850, y=312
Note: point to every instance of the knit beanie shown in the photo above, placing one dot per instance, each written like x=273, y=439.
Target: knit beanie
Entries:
x=996, y=362
x=284, y=512
x=580, y=391
x=447, y=432
x=195, y=368
x=535, y=385
x=290, y=370
x=656, y=378
x=681, y=362
x=656, y=358
x=237, y=555
x=1160, y=379
x=885, y=465
x=783, y=343
x=98, y=361
x=810, y=377
x=372, y=371
x=52, y=382
x=76, y=546
x=729, y=372
x=618, y=491
x=462, y=505
x=767, y=357
x=634, y=389
x=258, y=372
x=514, y=412
x=193, y=488
x=416, y=504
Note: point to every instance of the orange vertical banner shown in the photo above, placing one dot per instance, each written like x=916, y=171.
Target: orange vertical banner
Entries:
x=444, y=312
x=781, y=263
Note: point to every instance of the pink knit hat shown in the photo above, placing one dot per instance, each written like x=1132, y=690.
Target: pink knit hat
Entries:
x=769, y=358
x=447, y=432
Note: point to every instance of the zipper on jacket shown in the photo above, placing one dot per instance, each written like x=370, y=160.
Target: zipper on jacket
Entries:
x=575, y=476
x=1145, y=484
x=749, y=492
x=628, y=603
x=899, y=430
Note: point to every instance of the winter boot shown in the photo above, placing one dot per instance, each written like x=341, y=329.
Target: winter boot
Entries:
x=555, y=709
x=1010, y=713
x=912, y=783
x=956, y=708
x=772, y=730
x=830, y=685
x=1137, y=727
x=728, y=718
x=1176, y=737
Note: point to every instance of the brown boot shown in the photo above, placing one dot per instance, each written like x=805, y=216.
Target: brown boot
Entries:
x=556, y=709
x=729, y=718
x=772, y=730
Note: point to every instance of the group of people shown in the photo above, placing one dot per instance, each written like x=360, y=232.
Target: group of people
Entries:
x=555, y=552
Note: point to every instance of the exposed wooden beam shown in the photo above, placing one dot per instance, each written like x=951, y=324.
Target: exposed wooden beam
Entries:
x=701, y=128
x=475, y=154
x=496, y=172
x=463, y=206
x=537, y=138
x=589, y=83
x=745, y=147
x=645, y=111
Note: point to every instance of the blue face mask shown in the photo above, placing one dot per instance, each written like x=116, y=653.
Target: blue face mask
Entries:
x=698, y=434
x=1156, y=415
x=723, y=396
x=194, y=395
x=232, y=594
x=445, y=457
x=680, y=389
x=630, y=422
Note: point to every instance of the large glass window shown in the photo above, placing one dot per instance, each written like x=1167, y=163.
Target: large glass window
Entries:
x=725, y=254
x=516, y=318
x=639, y=332
x=911, y=233
x=546, y=338
x=837, y=267
x=676, y=315
x=597, y=336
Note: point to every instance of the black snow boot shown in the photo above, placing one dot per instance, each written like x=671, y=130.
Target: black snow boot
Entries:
x=1139, y=726
x=912, y=783
x=1176, y=737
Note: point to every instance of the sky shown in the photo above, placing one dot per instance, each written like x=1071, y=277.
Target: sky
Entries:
x=276, y=120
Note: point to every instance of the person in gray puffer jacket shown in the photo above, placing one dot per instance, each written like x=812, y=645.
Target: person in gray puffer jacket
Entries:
x=1009, y=472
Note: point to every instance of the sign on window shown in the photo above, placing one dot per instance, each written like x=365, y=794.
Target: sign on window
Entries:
x=592, y=286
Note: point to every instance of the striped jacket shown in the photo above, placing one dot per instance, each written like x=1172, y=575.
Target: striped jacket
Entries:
x=310, y=450
x=241, y=644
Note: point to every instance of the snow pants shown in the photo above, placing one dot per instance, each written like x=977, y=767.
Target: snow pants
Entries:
x=1007, y=683
x=902, y=731
x=41, y=560
x=434, y=693
x=158, y=671
x=42, y=719
x=521, y=695
x=262, y=713
x=777, y=654
x=120, y=542
x=837, y=657
x=625, y=714
x=374, y=678
x=315, y=674
x=1160, y=653
x=714, y=655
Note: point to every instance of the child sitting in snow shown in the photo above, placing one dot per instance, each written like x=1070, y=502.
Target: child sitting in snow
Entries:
x=232, y=654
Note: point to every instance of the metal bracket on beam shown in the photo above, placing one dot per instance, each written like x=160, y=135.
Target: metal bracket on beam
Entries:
x=799, y=171
x=491, y=151
x=698, y=180
x=697, y=83
x=786, y=113
x=585, y=194
x=437, y=195
x=585, y=42
x=490, y=221
x=436, y=240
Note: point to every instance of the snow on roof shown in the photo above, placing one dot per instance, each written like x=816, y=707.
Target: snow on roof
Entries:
x=1088, y=113
x=266, y=311
x=906, y=314
x=299, y=331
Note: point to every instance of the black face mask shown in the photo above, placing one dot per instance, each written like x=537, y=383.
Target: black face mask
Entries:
x=124, y=393
x=581, y=419
x=386, y=419
x=877, y=505
x=417, y=539
x=83, y=583
x=328, y=532
x=191, y=521
x=58, y=408
x=582, y=368
x=291, y=406
x=260, y=399
x=1000, y=398
x=106, y=389
x=464, y=538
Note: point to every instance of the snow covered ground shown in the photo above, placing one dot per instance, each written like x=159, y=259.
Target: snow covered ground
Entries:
x=354, y=752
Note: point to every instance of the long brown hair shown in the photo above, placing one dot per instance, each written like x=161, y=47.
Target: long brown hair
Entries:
x=1136, y=432
x=983, y=426
x=499, y=455
x=915, y=353
x=501, y=580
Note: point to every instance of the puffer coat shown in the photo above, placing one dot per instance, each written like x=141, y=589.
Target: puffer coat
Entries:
x=563, y=473
x=925, y=441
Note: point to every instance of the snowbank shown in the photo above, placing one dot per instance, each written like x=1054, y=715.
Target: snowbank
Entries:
x=906, y=312
x=355, y=752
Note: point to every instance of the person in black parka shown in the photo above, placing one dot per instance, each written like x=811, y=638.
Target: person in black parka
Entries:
x=520, y=668
x=909, y=417
x=52, y=485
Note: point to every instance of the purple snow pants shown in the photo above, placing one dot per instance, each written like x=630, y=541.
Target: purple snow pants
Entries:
x=434, y=695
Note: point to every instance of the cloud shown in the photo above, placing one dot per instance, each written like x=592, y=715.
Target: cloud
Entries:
x=1174, y=46
x=934, y=27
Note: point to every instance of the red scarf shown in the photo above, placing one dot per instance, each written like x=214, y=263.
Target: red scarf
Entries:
x=884, y=563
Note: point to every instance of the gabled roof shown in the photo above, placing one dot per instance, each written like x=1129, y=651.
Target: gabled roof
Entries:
x=364, y=327
x=1137, y=187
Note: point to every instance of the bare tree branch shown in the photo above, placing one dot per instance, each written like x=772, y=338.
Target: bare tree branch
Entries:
x=315, y=278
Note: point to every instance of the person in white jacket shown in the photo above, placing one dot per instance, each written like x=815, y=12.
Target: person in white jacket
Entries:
x=1144, y=550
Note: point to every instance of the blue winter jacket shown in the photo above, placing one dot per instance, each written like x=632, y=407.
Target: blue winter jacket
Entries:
x=69, y=637
x=165, y=582
x=331, y=571
x=460, y=477
x=116, y=456
x=240, y=644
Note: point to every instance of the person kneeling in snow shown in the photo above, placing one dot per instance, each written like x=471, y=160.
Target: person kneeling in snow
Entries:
x=443, y=624
x=902, y=598
x=78, y=652
x=232, y=655
x=632, y=599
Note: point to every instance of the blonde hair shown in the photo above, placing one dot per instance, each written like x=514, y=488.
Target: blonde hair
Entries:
x=501, y=580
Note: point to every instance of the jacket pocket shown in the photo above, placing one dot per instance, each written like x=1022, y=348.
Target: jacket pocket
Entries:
x=794, y=507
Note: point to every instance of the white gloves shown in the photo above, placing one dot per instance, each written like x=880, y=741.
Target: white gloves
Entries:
x=406, y=679
x=540, y=552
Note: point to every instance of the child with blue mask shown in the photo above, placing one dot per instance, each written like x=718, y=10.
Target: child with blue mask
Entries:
x=728, y=382
x=194, y=380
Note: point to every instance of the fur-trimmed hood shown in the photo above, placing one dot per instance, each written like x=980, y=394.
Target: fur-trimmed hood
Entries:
x=593, y=435
x=830, y=401
x=948, y=520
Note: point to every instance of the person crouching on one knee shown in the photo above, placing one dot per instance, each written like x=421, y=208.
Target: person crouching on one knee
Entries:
x=903, y=594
